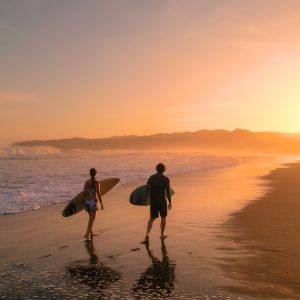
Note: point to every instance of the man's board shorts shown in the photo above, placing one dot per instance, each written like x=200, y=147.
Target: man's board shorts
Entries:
x=91, y=205
x=158, y=208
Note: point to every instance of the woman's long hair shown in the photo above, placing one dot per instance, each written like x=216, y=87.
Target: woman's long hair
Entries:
x=93, y=173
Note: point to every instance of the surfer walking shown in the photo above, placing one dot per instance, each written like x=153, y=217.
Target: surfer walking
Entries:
x=160, y=187
x=92, y=189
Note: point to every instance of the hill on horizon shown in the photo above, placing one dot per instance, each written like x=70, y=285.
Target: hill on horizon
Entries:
x=238, y=139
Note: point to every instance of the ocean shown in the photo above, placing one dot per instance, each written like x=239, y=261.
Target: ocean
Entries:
x=34, y=177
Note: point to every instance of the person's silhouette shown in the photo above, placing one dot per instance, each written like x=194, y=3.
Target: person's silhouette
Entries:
x=158, y=279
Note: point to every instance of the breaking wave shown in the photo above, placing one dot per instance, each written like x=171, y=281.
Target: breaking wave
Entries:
x=31, y=178
x=29, y=152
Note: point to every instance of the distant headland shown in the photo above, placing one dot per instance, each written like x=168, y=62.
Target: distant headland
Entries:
x=238, y=139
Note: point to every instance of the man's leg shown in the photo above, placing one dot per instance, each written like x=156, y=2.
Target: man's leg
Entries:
x=163, y=227
x=149, y=227
x=153, y=216
x=163, y=214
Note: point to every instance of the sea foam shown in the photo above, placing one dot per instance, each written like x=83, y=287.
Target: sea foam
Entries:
x=31, y=178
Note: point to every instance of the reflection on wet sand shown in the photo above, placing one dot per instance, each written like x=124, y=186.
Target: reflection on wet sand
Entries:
x=95, y=275
x=158, y=279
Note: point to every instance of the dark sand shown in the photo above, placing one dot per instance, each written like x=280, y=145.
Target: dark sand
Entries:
x=43, y=255
x=266, y=263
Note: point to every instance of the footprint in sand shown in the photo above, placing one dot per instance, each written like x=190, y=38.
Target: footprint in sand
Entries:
x=63, y=247
x=135, y=249
x=114, y=256
x=44, y=256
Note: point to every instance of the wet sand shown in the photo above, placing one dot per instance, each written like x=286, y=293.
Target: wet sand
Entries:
x=266, y=262
x=43, y=255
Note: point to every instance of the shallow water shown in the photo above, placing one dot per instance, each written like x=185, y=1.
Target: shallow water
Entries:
x=32, y=178
x=89, y=279
x=53, y=262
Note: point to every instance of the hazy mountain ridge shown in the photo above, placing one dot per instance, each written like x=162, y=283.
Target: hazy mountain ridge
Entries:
x=242, y=140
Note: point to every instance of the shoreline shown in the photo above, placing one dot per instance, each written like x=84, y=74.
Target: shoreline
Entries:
x=266, y=234
x=43, y=242
x=242, y=161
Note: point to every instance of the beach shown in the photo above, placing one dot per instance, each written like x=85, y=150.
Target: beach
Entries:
x=203, y=92
x=211, y=253
x=267, y=231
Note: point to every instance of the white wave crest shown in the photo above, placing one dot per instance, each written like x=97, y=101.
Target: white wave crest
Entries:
x=29, y=152
x=38, y=176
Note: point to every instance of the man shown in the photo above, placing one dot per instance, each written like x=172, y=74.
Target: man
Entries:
x=160, y=187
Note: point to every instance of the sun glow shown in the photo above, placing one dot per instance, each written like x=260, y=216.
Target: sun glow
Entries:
x=158, y=67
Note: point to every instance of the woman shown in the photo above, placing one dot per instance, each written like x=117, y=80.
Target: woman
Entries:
x=92, y=189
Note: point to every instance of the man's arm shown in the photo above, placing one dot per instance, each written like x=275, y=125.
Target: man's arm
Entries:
x=168, y=193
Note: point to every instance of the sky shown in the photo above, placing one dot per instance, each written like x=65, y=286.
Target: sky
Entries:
x=72, y=68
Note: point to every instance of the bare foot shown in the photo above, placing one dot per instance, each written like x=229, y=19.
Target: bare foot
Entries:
x=87, y=237
x=146, y=241
x=164, y=236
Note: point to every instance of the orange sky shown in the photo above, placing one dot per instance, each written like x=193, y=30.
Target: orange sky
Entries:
x=102, y=68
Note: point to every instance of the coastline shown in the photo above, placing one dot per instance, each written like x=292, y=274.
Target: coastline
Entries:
x=265, y=263
x=42, y=242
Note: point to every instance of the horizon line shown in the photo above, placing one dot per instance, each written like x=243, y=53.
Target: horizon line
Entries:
x=154, y=134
